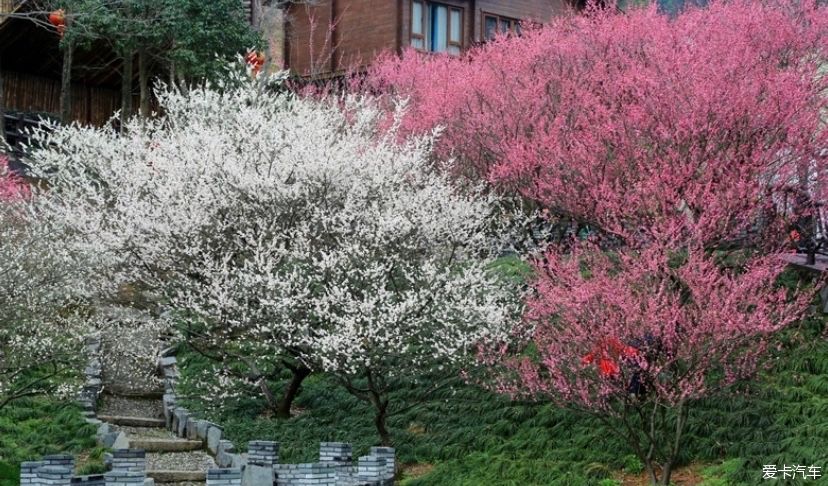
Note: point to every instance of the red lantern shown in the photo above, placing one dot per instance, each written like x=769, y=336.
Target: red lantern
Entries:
x=608, y=368
x=58, y=19
x=255, y=60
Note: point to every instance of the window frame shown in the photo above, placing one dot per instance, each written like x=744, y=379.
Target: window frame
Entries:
x=426, y=21
x=423, y=25
x=514, y=25
x=461, y=34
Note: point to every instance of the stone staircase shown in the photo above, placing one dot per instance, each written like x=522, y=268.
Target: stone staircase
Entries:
x=154, y=439
x=166, y=458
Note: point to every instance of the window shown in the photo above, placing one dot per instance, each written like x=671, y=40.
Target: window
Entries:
x=495, y=24
x=436, y=27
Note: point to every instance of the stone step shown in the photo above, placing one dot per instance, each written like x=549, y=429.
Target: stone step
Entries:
x=119, y=405
x=183, y=461
x=177, y=476
x=133, y=421
x=139, y=433
x=165, y=445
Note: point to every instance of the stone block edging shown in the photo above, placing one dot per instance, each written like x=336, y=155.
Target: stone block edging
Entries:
x=260, y=465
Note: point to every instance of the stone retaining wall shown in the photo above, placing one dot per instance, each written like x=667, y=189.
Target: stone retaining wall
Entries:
x=224, y=477
x=88, y=398
x=57, y=471
x=260, y=465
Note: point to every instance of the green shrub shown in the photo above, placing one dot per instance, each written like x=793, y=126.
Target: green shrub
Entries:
x=34, y=427
x=632, y=464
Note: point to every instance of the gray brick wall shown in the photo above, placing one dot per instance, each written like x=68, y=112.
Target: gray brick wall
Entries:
x=125, y=478
x=129, y=460
x=262, y=453
x=224, y=477
x=56, y=470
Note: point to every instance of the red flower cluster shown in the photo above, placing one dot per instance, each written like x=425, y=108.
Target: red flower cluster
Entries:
x=795, y=237
x=608, y=351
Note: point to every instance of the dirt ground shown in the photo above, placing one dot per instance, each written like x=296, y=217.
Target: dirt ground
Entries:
x=683, y=476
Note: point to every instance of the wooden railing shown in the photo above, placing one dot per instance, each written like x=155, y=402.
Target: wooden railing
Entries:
x=17, y=127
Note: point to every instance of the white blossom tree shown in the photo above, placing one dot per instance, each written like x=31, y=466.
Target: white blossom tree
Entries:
x=44, y=308
x=288, y=233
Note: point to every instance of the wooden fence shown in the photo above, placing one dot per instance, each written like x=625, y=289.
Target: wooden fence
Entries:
x=8, y=6
x=28, y=93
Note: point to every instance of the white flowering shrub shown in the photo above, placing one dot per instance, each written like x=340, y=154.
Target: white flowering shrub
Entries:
x=44, y=312
x=288, y=233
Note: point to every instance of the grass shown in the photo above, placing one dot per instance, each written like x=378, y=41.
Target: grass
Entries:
x=469, y=436
x=33, y=427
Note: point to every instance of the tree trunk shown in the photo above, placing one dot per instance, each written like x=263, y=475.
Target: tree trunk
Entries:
x=182, y=83
x=256, y=14
x=666, y=472
x=3, y=139
x=652, y=474
x=143, y=82
x=379, y=421
x=681, y=420
x=126, y=88
x=292, y=391
x=66, y=83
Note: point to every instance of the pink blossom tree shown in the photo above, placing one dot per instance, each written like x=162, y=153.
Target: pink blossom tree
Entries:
x=635, y=124
x=12, y=186
x=669, y=139
x=639, y=338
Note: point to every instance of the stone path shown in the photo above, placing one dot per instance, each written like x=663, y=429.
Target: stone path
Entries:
x=150, y=436
x=132, y=404
x=169, y=459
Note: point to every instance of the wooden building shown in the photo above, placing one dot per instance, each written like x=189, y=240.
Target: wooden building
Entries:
x=330, y=36
x=31, y=68
x=321, y=37
x=31, y=65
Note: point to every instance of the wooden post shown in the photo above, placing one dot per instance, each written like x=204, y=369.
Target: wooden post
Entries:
x=3, y=139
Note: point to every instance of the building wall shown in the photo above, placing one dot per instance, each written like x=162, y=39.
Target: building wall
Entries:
x=365, y=29
x=335, y=35
x=362, y=29
x=29, y=93
x=308, y=40
x=273, y=29
x=533, y=10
